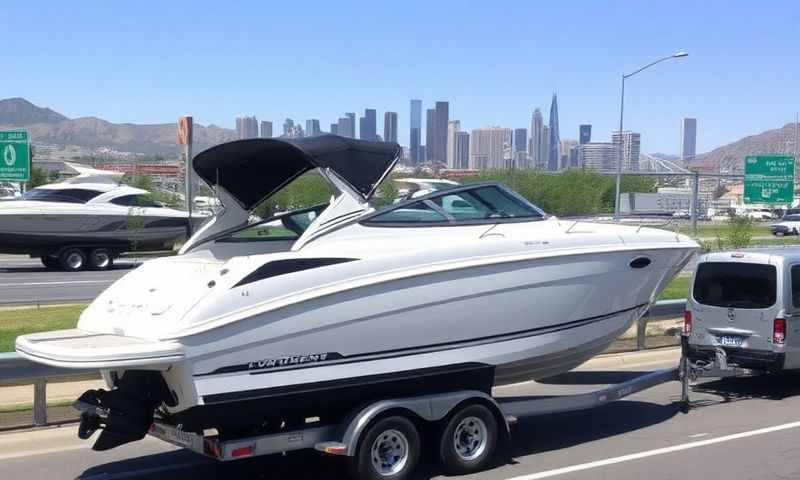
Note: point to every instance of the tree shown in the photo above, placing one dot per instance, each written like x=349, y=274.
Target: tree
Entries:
x=40, y=176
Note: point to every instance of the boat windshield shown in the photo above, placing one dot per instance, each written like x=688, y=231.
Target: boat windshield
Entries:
x=65, y=195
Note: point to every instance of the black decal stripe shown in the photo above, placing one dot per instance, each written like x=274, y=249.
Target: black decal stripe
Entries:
x=430, y=348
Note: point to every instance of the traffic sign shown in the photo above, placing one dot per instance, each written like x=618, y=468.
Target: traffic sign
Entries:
x=15, y=156
x=768, y=179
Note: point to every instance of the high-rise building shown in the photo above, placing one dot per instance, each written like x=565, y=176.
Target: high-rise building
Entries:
x=288, y=126
x=430, y=135
x=490, y=148
x=351, y=125
x=521, y=148
x=390, y=127
x=346, y=127
x=688, y=140
x=566, y=145
x=368, y=125
x=415, y=133
x=554, y=143
x=423, y=156
x=631, y=143
x=574, y=161
x=312, y=127
x=246, y=127
x=266, y=129
x=545, y=147
x=537, y=145
x=335, y=128
x=461, y=153
x=441, y=118
x=597, y=156
x=585, y=134
x=453, y=126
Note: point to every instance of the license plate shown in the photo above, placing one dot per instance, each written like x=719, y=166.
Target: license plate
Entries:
x=730, y=340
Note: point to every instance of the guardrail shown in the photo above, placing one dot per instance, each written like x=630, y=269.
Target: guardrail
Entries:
x=17, y=370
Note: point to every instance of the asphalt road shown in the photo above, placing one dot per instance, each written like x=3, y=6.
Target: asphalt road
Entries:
x=739, y=428
x=24, y=281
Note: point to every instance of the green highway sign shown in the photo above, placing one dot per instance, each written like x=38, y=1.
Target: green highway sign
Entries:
x=15, y=156
x=769, y=179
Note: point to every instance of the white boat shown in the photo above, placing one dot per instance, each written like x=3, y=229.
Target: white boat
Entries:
x=314, y=310
x=86, y=221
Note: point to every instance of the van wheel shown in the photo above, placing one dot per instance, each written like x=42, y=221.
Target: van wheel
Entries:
x=100, y=259
x=468, y=440
x=388, y=450
x=72, y=260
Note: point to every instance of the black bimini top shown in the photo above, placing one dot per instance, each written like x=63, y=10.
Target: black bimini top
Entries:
x=253, y=170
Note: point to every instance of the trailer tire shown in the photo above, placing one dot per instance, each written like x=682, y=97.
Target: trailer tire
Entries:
x=388, y=450
x=100, y=259
x=72, y=259
x=468, y=440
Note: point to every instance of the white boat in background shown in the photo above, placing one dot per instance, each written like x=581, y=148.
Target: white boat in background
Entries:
x=87, y=220
x=467, y=287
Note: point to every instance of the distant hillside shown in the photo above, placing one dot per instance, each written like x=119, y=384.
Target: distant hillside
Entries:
x=730, y=157
x=48, y=126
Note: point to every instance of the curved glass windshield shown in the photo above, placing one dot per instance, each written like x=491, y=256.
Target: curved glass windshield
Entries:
x=66, y=195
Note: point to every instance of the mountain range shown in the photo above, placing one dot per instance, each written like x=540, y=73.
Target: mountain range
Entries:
x=730, y=157
x=47, y=126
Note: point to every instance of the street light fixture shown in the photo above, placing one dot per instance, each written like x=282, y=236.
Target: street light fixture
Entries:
x=678, y=54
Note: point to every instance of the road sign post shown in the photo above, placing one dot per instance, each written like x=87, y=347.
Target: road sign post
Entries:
x=769, y=179
x=15, y=156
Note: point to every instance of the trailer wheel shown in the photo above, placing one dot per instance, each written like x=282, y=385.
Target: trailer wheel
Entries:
x=100, y=259
x=468, y=440
x=388, y=450
x=72, y=259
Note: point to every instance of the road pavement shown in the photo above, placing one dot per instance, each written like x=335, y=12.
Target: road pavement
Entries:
x=738, y=428
x=24, y=281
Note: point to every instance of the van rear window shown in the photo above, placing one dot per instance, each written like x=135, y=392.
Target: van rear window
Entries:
x=735, y=285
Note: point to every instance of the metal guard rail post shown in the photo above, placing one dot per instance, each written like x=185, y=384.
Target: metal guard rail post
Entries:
x=17, y=370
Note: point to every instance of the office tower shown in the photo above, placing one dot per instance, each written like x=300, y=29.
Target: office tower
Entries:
x=390, y=127
x=461, y=153
x=585, y=134
x=688, y=140
x=453, y=126
x=334, y=128
x=537, y=143
x=554, y=143
x=545, y=147
x=430, y=140
x=441, y=118
x=566, y=145
x=521, y=148
x=597, y=156
x=574, y=161
x=346, y=127
x=266, y=129
x=631, y=142
x=423, y=156
x=367, y=125
x=246, y=127
x=312, y=127
x=415, y=138
x=490, y=148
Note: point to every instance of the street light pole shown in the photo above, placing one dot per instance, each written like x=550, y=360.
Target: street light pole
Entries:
x=678, y=54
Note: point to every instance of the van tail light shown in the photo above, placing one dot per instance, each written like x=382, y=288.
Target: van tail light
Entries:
x=779, y=331
x=687, y=322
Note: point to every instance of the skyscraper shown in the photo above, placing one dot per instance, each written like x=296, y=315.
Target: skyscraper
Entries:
x=631, y=142
x=461, y=154
x=585, y=134
x=566, y=147
x=246, y=127
x=688, y=140
x=538, y=142
x=335, y=128
x=521, y=148
x=367, y=125
x=288, y=127
x=390, y=127
x=554, y=143
x=430, y=135
x=351, y=130
x=597, y=156
x=312, y=127
x=441, y=118
x=266, y=129
x=346, y=127
x=545, y=147
x=453, y=126
x=488, y=147
x=415, y=133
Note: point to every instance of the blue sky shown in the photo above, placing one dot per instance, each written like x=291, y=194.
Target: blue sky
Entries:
x=149, y=62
